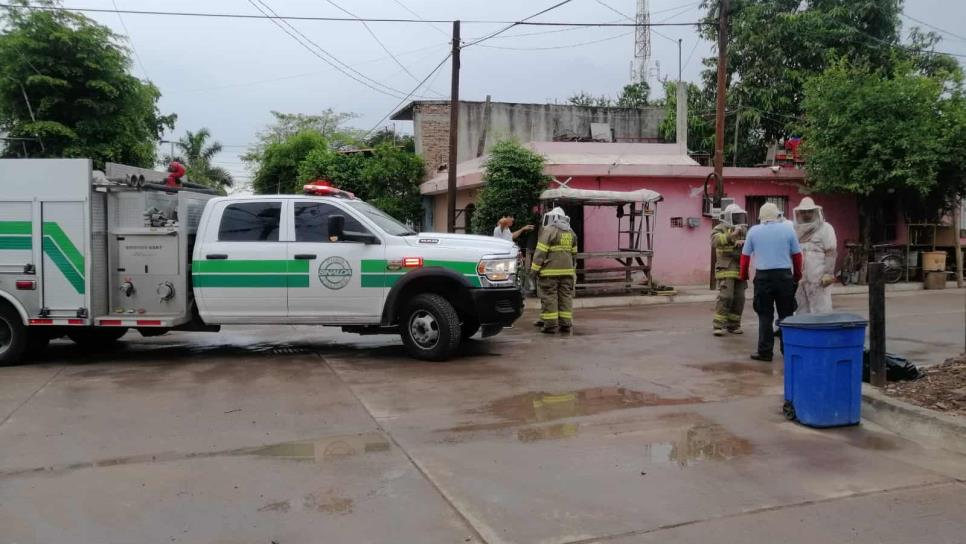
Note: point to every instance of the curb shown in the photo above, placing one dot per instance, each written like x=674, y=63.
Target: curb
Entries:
x=625, y=301
x=914, y=422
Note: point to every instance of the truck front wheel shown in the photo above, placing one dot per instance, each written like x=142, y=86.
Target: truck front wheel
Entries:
x=13, y=336
x=430, y=328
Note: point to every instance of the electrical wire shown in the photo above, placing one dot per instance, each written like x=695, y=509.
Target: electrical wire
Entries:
x=936, y=28
x=374, y=37
x=416, y=15
x=325, y=56
x=411, y=93
x=293, y=76
x=130, y=38
x=511, y=25
x=524, y=22
x=568, y=46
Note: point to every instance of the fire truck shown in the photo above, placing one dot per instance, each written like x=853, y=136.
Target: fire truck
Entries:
x=93, y=255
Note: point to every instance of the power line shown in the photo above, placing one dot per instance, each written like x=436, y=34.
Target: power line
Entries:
x=567, y=46
x=416, y=15
x=130, y=38
x=291, y=76
x=374, y=37
x=511, y=25
x=411, y=93
x=325, y=56
x=336, y=19
x=936, y=28
x=629, y=18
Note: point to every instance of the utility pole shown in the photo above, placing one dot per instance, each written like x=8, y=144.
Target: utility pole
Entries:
x=719, y=124
x=737, y=119
x=454, y=117
x=877, y=325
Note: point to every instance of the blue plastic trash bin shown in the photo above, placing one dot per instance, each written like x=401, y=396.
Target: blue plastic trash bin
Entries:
x=823, y=368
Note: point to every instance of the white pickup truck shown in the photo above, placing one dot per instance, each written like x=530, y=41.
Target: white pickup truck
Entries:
x=91, y=256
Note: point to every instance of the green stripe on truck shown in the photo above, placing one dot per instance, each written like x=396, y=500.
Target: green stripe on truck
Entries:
x=250, y=280
x=15, y=227
x=253, y=266
x=53, y=231
x=16, y=242
x=66, y=268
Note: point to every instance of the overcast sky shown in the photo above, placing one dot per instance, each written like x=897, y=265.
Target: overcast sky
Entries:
x=227, y=74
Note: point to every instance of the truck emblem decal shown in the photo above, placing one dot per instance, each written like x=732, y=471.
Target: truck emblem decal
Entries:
x=429, y=240
x=335, y=272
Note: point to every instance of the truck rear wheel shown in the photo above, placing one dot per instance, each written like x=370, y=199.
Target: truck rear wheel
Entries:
x=430, y=328
x=96, y=338
x=13, y=336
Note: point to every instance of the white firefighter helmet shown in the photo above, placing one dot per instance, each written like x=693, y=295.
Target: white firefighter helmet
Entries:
x=768, y=212
x=733, y=215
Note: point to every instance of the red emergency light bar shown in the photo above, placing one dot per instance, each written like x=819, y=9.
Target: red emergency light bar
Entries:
x=322, y=187
x=412, y=262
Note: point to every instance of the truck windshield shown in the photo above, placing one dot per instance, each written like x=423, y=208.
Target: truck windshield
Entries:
x=380, y=218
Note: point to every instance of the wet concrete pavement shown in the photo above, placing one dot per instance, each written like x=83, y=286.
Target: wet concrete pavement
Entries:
x=641, y=427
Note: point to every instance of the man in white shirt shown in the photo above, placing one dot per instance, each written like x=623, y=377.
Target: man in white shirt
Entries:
x=504, y=229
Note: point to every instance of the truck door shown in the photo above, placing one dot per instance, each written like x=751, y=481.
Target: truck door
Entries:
x=64, y=266
x=242, y=273
x=335, y=292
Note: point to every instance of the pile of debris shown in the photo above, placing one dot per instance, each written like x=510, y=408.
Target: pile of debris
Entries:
x=942, y=388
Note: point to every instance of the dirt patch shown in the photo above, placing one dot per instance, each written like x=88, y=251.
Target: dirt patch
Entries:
x=943, y=388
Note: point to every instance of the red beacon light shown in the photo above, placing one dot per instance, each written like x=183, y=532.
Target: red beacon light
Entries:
x=324, y=187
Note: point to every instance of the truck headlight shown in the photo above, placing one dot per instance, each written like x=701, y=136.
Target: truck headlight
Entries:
x=497, y=270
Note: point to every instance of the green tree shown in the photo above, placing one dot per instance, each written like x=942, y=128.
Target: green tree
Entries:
x=514, y=180
x=583, y=98
x=329, y=124
x=65, y=88
x=196, y=154
x=776, y=46
x=877, y=133
x=634, y=95
x=388, y=177
x=277, y=168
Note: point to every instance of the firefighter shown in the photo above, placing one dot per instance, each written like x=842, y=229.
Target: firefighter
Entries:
x=817, y=238
x=727, y=238
x=554, y=265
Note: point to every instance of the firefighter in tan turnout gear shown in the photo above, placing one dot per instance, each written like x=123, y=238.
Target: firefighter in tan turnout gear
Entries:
x=554, y=265
x=727, y=239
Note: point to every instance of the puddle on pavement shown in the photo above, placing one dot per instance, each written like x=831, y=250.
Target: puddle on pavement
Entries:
x=542, y=406
x=323, y=450
x=679, y=439
x=735, y=379
x=326, y=449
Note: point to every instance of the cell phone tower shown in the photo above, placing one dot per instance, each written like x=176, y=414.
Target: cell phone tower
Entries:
x=642, y=42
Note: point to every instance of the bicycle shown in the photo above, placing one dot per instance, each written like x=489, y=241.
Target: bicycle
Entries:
x=894, y=264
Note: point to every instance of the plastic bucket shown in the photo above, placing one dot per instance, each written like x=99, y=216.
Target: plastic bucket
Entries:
x=823, y=368
x=933, y=261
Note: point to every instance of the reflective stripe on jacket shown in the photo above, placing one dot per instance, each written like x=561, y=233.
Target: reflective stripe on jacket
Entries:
x=555, y=253
x=727, y=253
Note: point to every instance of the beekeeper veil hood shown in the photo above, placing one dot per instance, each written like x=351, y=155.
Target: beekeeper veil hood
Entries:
x=558, y=218
x=733, y=215
x=808, y=218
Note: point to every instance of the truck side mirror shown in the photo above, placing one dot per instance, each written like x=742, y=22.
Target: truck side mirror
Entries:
x=336, y=227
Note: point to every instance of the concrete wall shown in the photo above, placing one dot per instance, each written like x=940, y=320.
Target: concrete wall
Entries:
x=523, y=122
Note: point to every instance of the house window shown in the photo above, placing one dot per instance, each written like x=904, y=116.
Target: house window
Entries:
x=677, y=222
x=754, y=203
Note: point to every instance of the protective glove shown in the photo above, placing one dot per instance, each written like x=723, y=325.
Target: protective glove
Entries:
x=827, y=280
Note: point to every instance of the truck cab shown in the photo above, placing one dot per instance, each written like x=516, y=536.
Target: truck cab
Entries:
x=343, y=262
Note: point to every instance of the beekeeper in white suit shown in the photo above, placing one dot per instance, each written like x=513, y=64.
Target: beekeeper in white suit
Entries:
x=818, y=242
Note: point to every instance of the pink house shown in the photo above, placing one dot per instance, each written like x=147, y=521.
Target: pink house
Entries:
x=682, y=233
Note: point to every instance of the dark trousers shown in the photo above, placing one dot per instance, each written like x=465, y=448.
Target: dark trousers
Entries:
x=773, y=289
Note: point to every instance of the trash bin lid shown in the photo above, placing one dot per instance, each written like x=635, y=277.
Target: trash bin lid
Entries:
x=824, y=321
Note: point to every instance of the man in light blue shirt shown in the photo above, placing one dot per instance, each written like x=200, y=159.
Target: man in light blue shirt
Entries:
x=778, y=267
